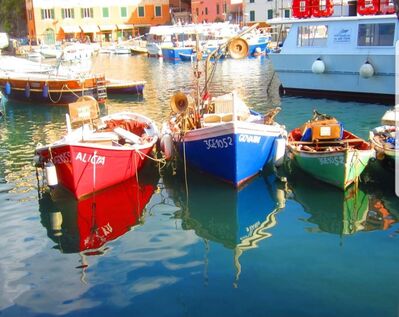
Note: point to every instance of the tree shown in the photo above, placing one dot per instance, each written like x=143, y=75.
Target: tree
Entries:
x=13, y=17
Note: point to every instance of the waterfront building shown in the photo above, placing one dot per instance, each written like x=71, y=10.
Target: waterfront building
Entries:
x=217, y=11
x=180, y=10
x=263, y=10
x=96, y=20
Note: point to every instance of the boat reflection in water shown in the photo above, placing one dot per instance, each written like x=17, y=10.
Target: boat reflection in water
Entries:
x=238, y=219
x=337, y=211
x=85, y=226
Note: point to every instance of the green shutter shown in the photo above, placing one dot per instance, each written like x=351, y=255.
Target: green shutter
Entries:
x=105, y=13
x=141, y=11
x=123, y=12
x=73, y=13
x=42, y=14
x=63, y=13
x=91, y=12
x=81, y=13
x=52, y=14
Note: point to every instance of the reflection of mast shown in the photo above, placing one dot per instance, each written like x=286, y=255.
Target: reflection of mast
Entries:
x=258, y=235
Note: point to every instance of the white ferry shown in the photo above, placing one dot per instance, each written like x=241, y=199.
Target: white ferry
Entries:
x=351, y=57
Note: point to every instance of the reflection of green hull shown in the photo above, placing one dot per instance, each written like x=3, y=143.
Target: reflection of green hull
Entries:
x=340, y=168
x=333, y=210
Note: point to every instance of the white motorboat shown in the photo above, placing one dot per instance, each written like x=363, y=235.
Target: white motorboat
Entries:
x=350, y=56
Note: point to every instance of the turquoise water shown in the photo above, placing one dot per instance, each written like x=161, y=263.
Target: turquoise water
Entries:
x=272, y=249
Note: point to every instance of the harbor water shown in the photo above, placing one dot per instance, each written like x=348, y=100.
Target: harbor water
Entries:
x=183, y=244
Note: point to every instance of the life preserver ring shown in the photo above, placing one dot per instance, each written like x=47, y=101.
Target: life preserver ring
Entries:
x=324, y=9
x=368, y=7
x=301, y=8
x=387, y=6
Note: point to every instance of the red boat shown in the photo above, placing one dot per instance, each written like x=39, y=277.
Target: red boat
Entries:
x=95, y=156
x=87, y=225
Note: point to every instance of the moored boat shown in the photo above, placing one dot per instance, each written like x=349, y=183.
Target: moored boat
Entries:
x=51, y=88
x=323, y=149
x=115, y=86
x=349, y=54
x=221, y=136
x=90, y=158
x=383, y=140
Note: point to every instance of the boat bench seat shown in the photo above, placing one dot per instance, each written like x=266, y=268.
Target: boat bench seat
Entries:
x=127, y=135
x=100, y=137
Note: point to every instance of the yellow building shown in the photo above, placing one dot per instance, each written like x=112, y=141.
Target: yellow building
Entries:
x=99, y=20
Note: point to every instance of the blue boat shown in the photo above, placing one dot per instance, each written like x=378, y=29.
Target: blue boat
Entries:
x=232, y=144
x=172, y=53
x=221, y=136
x=190, y=57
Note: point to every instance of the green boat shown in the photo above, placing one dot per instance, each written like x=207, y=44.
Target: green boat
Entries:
x=323, y=149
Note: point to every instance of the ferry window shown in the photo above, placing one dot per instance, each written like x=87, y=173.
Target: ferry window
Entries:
x=47, y=14
x=158, y=11
x=67, y=13
x=105, y=12
x=312, y=35
x=252, y=15
x=141, y=12
x=376, y=34
x=270, y=14
x=123, y=12
x=86, y=12
x=286, y=13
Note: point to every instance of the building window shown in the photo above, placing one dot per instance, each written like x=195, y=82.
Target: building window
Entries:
x=68, y=13
x=197, y=11
x=206, y=11
x=376, y=34
x=141, y=12
x=158, y=11
x=123, y=12
x=217, y=9
x=105, y=12
x=251, y=1
x=270, y=14
x=86, y=12
x=47, y=14
x=252, y=15
x=312, y=35
x=286, y=13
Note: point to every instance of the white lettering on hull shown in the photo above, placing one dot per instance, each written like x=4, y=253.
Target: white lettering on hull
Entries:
x=332, y=160
x=94, y=159
x=218, y=143
x=249, y=138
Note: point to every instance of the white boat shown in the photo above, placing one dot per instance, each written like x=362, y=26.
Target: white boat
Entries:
x=345, y=56
x=22, y=65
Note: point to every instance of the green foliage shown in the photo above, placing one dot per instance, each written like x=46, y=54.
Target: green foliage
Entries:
x=13, y=17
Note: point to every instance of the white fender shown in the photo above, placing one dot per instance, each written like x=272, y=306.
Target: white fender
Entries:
x=51, y=174
x=167, y=146
x=318, y=67
x=366, y=70
x=279, y=151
